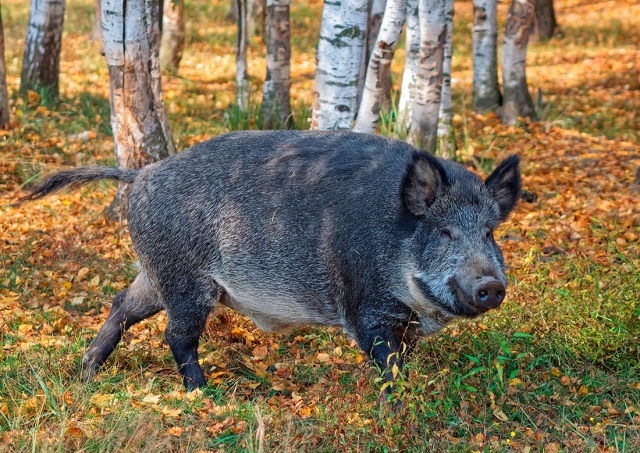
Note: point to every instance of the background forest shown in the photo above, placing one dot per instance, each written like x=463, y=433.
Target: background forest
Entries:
x=557, y=368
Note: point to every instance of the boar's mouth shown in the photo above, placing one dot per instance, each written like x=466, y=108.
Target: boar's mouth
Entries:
x=465, y=303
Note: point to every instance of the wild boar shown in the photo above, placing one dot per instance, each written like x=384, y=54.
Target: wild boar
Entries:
x=307, y=228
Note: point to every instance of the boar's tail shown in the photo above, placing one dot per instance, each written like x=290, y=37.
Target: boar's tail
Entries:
x=78, y=177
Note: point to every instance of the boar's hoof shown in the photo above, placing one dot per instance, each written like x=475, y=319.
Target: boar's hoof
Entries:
x=89, y=368
x=192, y=383
x=488, y=294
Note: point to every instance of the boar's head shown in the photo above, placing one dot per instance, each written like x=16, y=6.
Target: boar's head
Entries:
x=455, y=266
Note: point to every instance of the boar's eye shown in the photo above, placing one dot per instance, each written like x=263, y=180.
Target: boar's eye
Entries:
x=488, y=233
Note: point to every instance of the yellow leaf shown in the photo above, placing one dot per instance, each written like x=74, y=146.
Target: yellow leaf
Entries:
x=82, y=272
x=514, y=382
x=24, y=328
x=395, y=370
x=77, y=300
x=176, y=431
x=101, y=399
x=500, y=415
x=260, y=351
x=175, y=413
x=583, y=390
x=151, y=398
x=95, y=281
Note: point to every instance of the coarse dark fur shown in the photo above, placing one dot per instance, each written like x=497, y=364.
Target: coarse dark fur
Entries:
x=307, y=228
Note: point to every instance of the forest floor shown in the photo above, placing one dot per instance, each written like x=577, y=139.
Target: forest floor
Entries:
x=556, y=369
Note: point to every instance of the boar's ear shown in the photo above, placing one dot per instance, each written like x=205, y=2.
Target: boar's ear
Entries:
x=504, y=184
x=424, y=177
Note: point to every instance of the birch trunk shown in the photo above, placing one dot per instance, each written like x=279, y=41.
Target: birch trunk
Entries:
x=517, y=100
x=4, y=94
x=242, y=77
x=433, y=37
x=130, y=32
x=446, y=103
x=173, y=35
x=256, y=18
x=375, y=22
x=486, y=89
x=41, y=60
x=341, y=53
x=379, y=68
x=373, y=30
x=546, y=24
x=411, y=62
x=275, y=96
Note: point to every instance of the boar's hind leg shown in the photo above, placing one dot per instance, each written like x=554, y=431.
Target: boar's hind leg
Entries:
x=187, y=317
x=129, y=307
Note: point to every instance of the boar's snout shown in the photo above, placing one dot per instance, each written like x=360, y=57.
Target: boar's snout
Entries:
x=488, y=293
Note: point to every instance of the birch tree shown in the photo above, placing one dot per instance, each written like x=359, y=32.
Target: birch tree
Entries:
x=256, y=18
x=546, y=24
x=41, y=60
x=379, y=67
x=486, y=88
x=4, y=94
x=446, y=103
x=173, y=35
x=131, y=34
x=411, y=62
x=517, y=101
x=277, y=84
x=242, y=77
x=376, y=13
x=433, y=37
x=341, y=52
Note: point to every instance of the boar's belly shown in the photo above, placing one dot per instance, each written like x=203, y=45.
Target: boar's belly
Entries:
x=272, y=312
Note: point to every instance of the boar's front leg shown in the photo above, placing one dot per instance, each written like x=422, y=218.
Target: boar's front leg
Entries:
x=382, y=345
x=187, y=316
x=129, y=307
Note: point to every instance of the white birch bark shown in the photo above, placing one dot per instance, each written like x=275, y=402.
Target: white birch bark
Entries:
x=486, y=89
x=379, y=67
x=242, y=77
x=375, y=22
x=446, y=103
x=411, y=61
x=41, y=60
x=376, y=13
x=517, y=101
x=433, y=36
x=130, y=32
x=173, y=35
x=4, y=95
x=277, y=84
x=341, y=52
